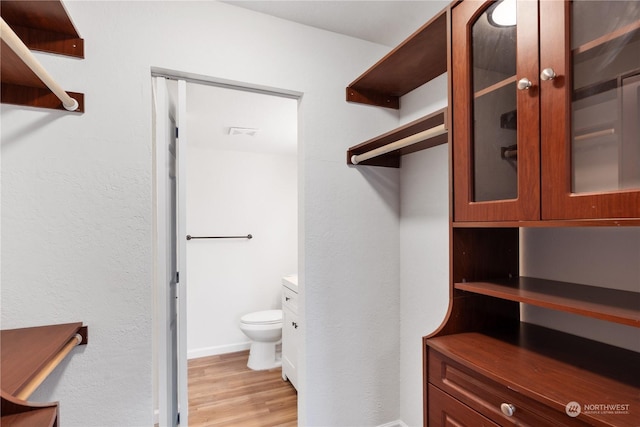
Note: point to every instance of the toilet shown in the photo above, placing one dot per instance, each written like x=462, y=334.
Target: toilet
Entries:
x=264, y=328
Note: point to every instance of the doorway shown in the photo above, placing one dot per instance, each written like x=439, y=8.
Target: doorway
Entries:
x=240, y=176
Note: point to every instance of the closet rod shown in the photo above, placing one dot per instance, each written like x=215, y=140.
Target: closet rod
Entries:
x=33, y=384
x=401, y=143
x=23, y=52
x=190, y=237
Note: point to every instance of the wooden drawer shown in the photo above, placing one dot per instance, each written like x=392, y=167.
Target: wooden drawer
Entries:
x=289, y=300
x=445, y=411
x=487, y=396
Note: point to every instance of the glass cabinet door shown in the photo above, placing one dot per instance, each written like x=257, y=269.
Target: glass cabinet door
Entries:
x=591, y=69
x=495, y=119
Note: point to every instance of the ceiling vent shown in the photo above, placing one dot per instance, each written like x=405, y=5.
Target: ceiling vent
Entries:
x=243, y=131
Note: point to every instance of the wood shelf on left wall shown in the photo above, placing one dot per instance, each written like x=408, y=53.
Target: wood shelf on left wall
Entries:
x=43, y=26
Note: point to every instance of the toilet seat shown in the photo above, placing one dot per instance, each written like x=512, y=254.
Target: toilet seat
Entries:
x=266, y=317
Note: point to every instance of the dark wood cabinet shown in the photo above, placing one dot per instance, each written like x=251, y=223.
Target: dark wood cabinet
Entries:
x=545, y=111
x=545, y=133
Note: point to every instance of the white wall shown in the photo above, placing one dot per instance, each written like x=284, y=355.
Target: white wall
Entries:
x=237, y=193
x=77, y=209
x=424, y=247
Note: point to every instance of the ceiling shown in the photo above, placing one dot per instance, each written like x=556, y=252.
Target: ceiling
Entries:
x=212, y=110
x=384, y=22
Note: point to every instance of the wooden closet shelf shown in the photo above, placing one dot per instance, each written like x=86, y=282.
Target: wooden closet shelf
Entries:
x=419, y=59
x=611, y=305
x=17, y=413
x=43, y=26
x=26, y=351
x=436, y=120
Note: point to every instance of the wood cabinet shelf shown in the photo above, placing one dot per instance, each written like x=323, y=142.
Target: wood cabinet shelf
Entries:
x=392, y=158
x=543, y=366
x=605, y=304
x=587, y=50
x=44, y=26
x=16, y=413
x=419, y=59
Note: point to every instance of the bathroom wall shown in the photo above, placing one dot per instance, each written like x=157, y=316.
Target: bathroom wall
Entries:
x=77, y=211
x=237, y=193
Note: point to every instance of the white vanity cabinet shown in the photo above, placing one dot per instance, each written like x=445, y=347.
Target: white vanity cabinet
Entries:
x=290, y=329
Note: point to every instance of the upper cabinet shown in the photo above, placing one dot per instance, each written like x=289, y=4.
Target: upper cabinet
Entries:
x=546, y=104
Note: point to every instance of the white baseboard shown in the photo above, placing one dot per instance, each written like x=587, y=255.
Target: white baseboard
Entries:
x=396, y=423
x=220, y=349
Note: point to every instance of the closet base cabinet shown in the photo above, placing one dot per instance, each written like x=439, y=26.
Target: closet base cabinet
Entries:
x=532, y=376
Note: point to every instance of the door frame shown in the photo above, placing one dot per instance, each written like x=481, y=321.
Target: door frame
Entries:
x=160, y=316
x=164, y=113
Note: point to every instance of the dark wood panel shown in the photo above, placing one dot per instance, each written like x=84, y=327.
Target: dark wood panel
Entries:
x=611, y=305
x=484, y=253
x=48, y=15
x=445, y=411
x=18, y=413
x=26, y=351
x=417, y=60
x=37, y=97
x=50, y=42
x=43, y=417
x=552, y=368
x=14, y=71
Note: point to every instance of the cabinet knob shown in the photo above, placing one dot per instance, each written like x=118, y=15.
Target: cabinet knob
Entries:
x=548, y=74
x=524, y=83
x=287, y=298
x=508, y=409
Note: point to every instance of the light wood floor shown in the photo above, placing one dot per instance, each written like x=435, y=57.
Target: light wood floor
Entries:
x=224, y=392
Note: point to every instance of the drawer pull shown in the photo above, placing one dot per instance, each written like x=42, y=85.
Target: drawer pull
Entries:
x=287, y=298
x=508, y=409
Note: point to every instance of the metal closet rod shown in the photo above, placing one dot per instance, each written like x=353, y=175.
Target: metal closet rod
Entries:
x=190, y=237
x=23, y=52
